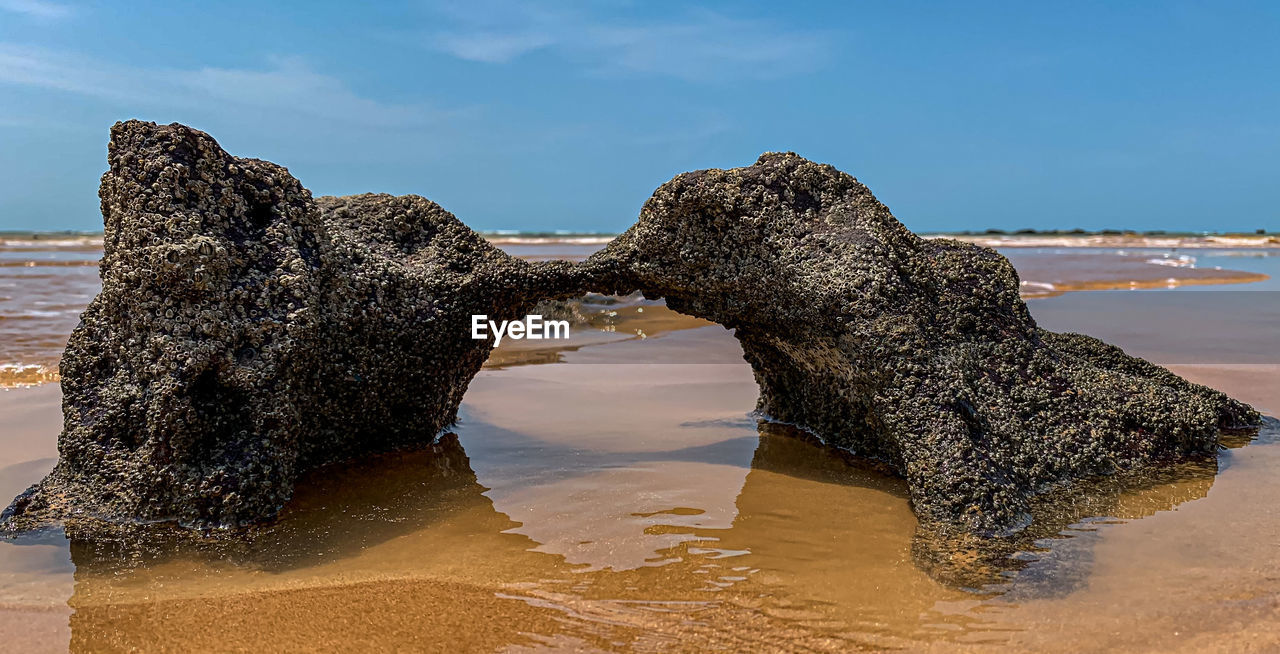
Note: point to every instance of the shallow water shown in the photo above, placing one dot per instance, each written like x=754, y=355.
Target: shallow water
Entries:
x=615, y=493
x=43, y=289
x=44, y=285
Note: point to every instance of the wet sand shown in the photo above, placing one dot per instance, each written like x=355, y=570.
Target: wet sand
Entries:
x=614, y=493
x=33, y=611
x=635, y=506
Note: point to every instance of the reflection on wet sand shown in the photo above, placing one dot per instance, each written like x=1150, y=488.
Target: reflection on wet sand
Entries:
x=415, y=555
x=417, y=535
x=394, y=551
x=988, y=566
x=650, y=512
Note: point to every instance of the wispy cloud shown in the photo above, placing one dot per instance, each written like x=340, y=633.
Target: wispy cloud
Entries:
x=36, y=8
x=284, y=84
x=491, y=47
x=694, y=45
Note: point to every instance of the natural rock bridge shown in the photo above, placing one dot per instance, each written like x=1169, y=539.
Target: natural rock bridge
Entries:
x=247, y=332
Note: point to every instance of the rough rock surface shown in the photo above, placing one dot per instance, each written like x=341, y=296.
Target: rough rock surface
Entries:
x=914, y=351
x=246, y=333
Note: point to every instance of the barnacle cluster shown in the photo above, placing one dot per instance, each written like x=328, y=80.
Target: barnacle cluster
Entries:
x=247, y=332
x=917, y=352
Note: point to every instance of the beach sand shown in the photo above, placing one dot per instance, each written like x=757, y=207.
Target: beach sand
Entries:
x=614, y=493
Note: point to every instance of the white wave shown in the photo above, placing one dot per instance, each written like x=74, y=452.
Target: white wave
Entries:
x=1180, y=261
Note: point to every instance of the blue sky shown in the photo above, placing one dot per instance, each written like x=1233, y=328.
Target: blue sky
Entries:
x=566, y=115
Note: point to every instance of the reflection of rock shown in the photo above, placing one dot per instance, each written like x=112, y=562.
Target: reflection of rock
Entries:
x=610, y=466
x=963, y=560
x=917, y=352
x=820, y=551
x=833, y=531
x=970, y=562
x=339, y=511
x=868, y=542
x=355, y=561
x=246, y=333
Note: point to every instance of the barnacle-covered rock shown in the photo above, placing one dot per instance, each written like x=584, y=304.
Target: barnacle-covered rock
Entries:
x=917, y=352
x=246, y=332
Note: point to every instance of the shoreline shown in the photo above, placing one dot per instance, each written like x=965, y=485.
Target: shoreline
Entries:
x=20, y=241
x=1038, y=290
x=1123, y=241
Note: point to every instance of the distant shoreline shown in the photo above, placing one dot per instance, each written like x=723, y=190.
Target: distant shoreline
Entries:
x=991, y=238
x=1110, y=239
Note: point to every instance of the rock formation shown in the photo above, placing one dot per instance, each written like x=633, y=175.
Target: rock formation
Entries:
x=913, y=351
x=246, y=333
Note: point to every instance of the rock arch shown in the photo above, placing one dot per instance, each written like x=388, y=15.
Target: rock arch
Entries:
x=247, y=332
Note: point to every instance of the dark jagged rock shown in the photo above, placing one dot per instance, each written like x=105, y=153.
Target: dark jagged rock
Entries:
x=917, y=352
x=246, y=333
